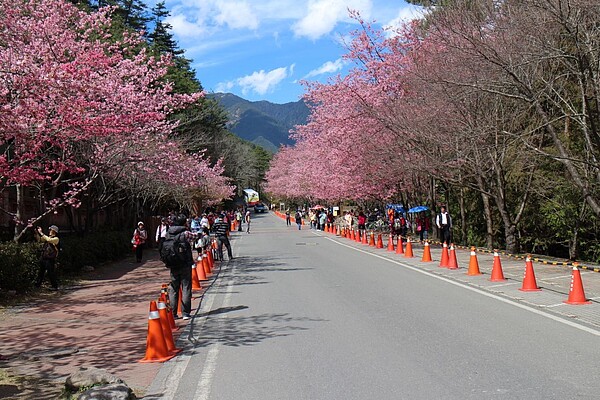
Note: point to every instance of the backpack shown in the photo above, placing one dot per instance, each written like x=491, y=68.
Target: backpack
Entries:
x=49, y=251
x=174, y=251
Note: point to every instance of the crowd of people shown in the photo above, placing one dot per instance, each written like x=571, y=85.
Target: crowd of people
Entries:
x=397, y=222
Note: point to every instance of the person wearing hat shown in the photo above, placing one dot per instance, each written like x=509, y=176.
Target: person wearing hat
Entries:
x=140, y=235
x=49, y=254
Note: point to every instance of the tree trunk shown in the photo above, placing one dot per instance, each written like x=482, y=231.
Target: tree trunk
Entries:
x=463, y=217
x=487, y=213
x=19, y=214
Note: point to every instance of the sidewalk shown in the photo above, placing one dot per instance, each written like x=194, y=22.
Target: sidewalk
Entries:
x=554, y=280
x=101, y=322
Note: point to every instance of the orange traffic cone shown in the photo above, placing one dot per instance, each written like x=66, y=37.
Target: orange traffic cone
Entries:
x=426, y=253
x=444, y=260
x=211, y=261
x=179, y=301
x=452, y=262
x=205, y=265
x=497, y=274
x=364, y=238
x=473, y=264
x=408, y=251
x=390, y=243
x=379, y=242
x=165, y=298
x=200, y=268
x=156, y=346
x=529, y=283
x=372, y=240
x=164, y=323
x=399, y=246
x=195, y=281
x=576, y=293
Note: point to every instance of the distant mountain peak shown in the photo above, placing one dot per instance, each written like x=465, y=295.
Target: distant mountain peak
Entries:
x=261, y=122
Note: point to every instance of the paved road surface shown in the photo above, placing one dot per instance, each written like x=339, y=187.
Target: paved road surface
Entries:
x=303, y=315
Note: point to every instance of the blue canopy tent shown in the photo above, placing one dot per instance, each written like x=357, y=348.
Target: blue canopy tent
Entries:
x=399, y=208
x=418, y=209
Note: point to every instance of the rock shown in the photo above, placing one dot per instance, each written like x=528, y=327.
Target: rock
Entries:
x=115, y=391
x=87, y=268
x=87, y=377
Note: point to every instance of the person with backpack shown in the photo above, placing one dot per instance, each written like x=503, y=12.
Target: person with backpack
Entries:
x=50, y=251
x=176, y=253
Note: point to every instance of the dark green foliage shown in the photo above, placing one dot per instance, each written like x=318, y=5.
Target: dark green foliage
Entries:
x=19, y=265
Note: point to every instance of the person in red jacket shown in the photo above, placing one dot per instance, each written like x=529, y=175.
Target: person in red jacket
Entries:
x=423, y=225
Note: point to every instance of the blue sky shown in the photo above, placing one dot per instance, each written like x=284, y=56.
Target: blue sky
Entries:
x=261, y=49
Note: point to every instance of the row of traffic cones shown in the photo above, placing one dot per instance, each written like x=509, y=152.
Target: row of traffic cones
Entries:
x=576, y=292
x=449, y=260
x=160, y=343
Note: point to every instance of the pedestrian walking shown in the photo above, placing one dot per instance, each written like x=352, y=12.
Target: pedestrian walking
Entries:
x=247, y=219
x=220, y=231
x=444, y=224
x=47, y=262
x=423, y=225
x=238, y=218
x=177, y=255
x=288, y=219
x=161, y=232
x=140, y=235
x=299, y=219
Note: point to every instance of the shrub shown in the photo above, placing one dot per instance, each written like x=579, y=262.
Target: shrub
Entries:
x=19, y=265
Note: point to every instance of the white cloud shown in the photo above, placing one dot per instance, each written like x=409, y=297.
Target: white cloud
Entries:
x=237, y=15
x=262, y=82
x=405, y=14
x=328, y=68
x=323, y=15
x=224, y=87
x=182, y=27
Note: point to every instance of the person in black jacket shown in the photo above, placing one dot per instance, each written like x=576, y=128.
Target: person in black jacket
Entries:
x=220, y=228
x=181, y=274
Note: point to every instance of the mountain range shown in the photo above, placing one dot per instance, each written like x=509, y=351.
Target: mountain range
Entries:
x=263, y=123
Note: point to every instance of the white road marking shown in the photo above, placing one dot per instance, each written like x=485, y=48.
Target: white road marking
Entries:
x=484, y=293
x=210, y=364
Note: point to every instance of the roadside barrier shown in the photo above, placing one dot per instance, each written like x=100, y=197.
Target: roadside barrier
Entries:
x=444, y=260
x=408, y=252
x=165, y=298
x=379, y=242
x=426, y=251
x=195, y=281
x=390, y=246
x=497, y=274
x=452, y=261
x=166, y=328
x=399, y=246
x=473, y=264
x=156, y=346
x=529, y=282
x=576, y=293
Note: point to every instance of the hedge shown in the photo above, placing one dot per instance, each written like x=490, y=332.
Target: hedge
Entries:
x=19, y=261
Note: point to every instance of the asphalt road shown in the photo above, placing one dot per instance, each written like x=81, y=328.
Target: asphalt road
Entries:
x=302, y=315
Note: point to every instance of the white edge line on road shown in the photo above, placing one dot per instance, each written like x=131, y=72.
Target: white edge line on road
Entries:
x=210, y=364
x=484, y=293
